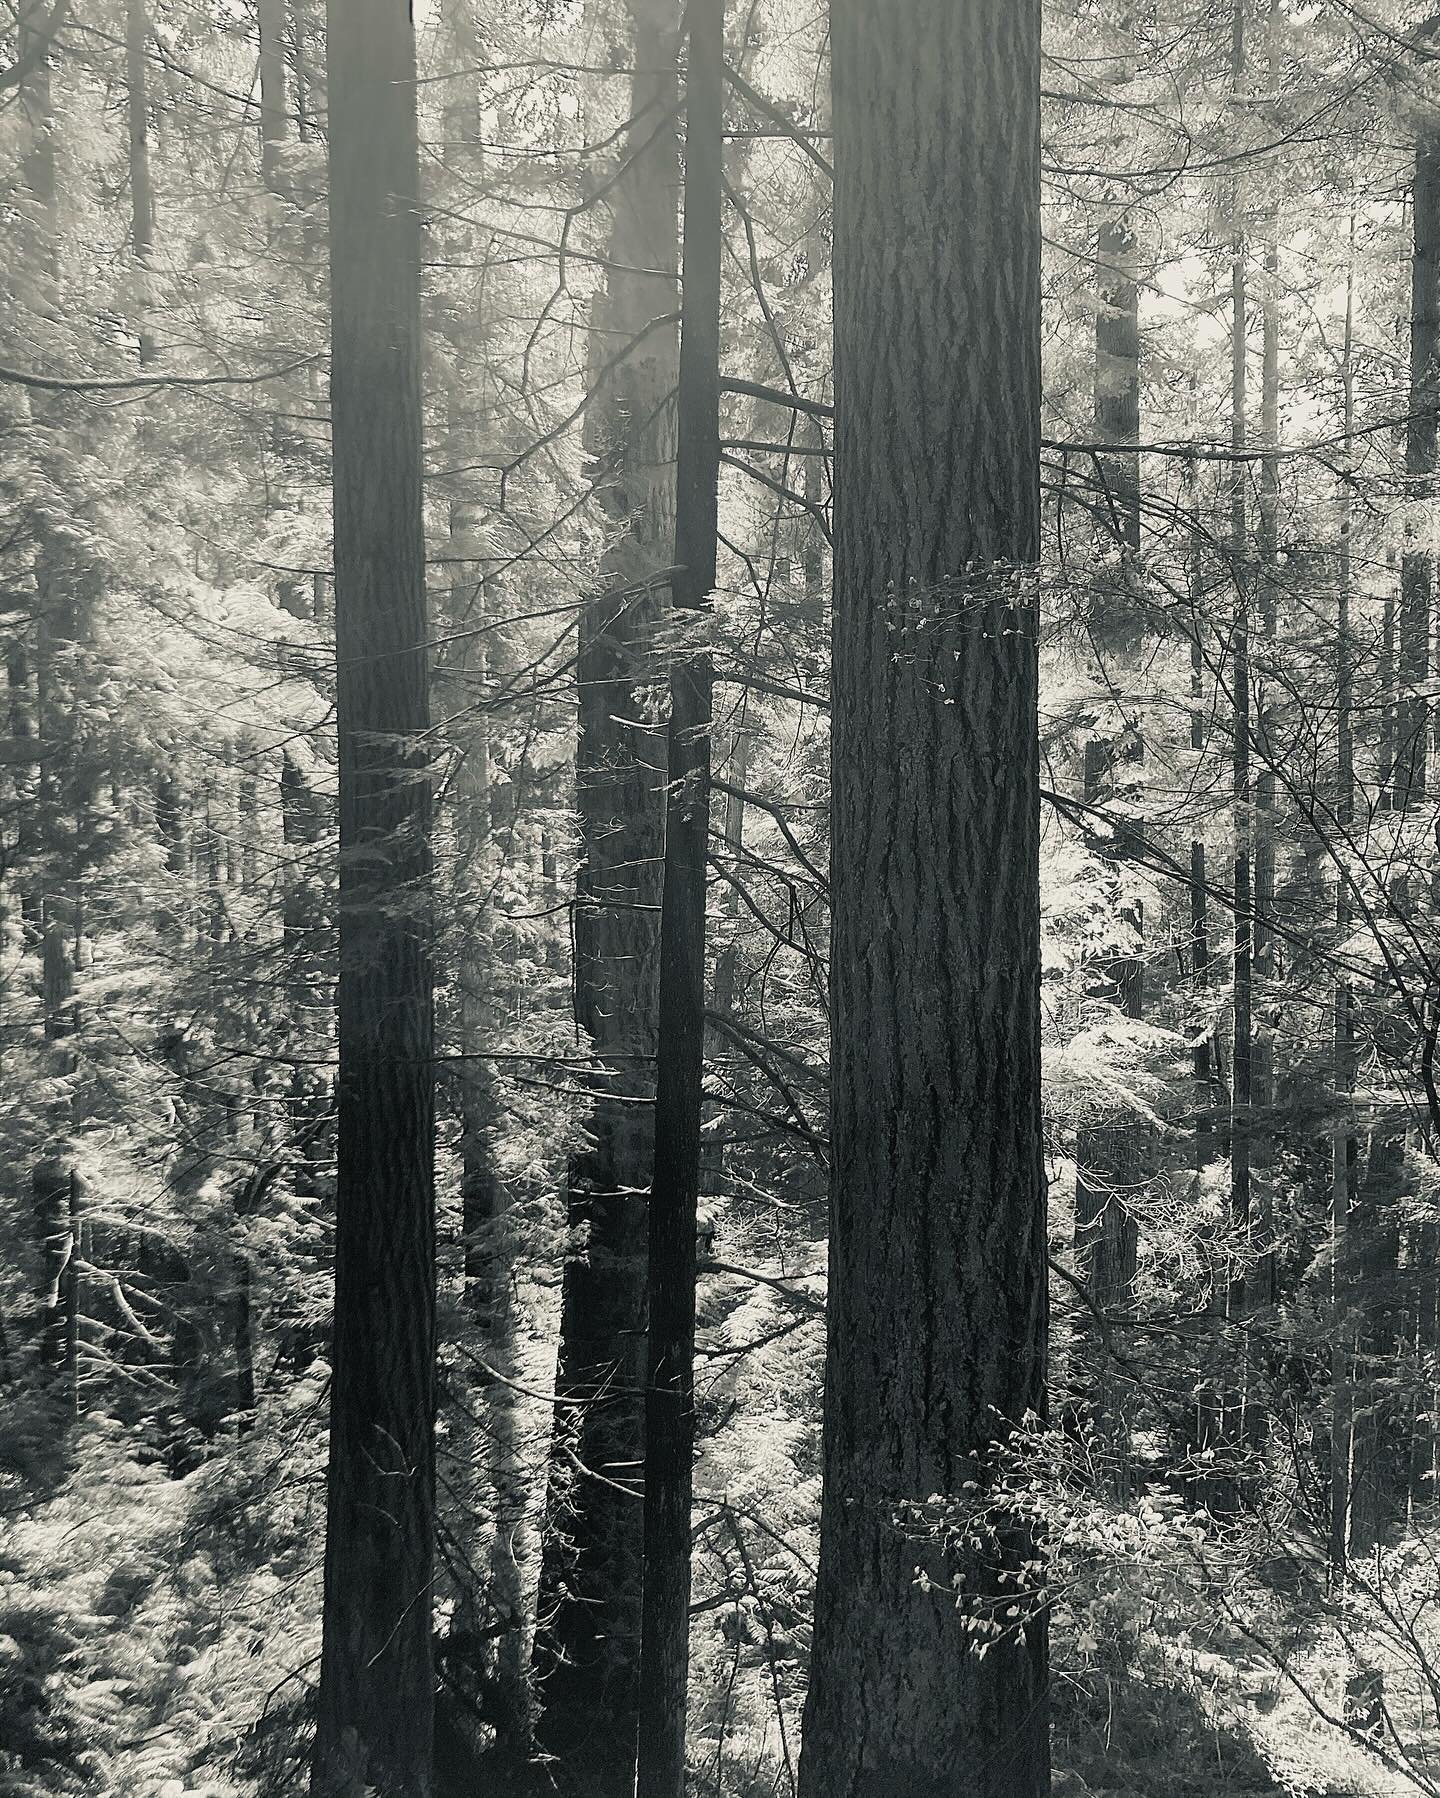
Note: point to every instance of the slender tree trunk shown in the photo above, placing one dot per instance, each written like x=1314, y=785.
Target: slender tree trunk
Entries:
x=1117, y=378
x=1265, y=823
x=39, y=162
x=142, y=192
x=305, y=38
x=1342, y=1142
x=242, y=1343
x=680, y=1035
x=587, y=1646
x=302, y=826
x=1109, y=1156
x=274, y=99
x=733, y=831
x=727, y=961
x=937, y=1314
x=1421, y=435
x=1385, y=740
x=376, y=1702
x=1200, y=1025
x=61, y=627
x=1242, y=823
x=489, y=1476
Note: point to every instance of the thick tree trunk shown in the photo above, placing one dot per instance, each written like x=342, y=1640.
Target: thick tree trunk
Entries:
x=937, y=1319
x=680, y=1037
x=376, y=1702
x=587, y=1647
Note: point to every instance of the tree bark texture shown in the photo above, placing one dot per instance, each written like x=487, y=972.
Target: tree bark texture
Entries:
x=937, y=1310
x=1416, y=566
x=376, y=1701
x=587, y=1648
x=680, y=1040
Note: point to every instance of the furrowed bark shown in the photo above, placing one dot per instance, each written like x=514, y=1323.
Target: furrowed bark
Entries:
x=937, y=1309
x=376, y=1701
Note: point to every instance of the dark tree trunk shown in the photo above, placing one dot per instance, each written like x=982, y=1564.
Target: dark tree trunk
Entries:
x=680, y=1039
x=1416, y=571
x=1240, y=1417
x=1385, y=736
x=1200, y=1027
x=587, y=1647
x=1343, y=1146
x=937, y=1318
x=376, y=1702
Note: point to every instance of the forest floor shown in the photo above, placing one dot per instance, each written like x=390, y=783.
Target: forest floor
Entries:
x=1222, y=1732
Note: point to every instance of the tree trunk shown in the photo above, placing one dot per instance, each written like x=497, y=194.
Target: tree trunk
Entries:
x=1238, y=1423
x=937, y=1316
x=142, y=192
x=54, y=1181
x=1342, y=1142
x=1262, y=1294
x=1109, y=1156
x=680, y=1037
x=490, y=1673
x=1117, y=377
x=376, y=1701
x=1199, y=1026
x=274, y=102
x=39, y=162
x=587, y=1646
x=1420, y=464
